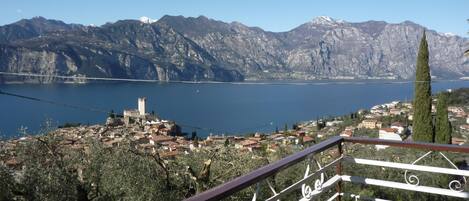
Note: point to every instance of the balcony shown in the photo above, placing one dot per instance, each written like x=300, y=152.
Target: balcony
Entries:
x=335, y=168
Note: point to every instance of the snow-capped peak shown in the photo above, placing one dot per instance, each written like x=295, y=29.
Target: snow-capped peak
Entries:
x=326, y=20
x=147, y=20
x=449, y=34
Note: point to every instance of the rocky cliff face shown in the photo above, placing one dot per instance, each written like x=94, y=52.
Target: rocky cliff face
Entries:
x=326, y=48
x=125, y=49
x=202, y=49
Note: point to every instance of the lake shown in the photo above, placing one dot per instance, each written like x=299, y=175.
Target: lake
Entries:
x=230, y=108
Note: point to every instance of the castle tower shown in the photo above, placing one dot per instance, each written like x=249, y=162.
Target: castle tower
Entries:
x=141, y=105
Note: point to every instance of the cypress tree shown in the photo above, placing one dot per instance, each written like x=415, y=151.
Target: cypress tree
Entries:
x=195, y=142
x=112, y=114
x=422, y=120
x=194, y=135
x=442, y=125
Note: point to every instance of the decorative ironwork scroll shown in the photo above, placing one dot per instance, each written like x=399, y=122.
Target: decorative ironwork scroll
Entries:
x=454, y=185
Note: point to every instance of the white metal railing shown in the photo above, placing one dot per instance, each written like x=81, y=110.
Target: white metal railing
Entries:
x=412, y=182
x=404, y=186
x=315, y=183
x=320, y=185
x=303, y=183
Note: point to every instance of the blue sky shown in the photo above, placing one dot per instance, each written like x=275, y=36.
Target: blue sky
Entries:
x=272, y=15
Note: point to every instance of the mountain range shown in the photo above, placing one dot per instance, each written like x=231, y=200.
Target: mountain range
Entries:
x=202, y=49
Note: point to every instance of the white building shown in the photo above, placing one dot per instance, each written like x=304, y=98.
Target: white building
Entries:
x=377, y=109
x=391, y=104
x=388, y=134
x=346, y=133
x=368, y=123
x=333, y=123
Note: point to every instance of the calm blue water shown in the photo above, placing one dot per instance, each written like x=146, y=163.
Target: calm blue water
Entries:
x=222, y=107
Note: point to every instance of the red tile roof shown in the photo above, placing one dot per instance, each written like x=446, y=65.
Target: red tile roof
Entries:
x=308, y=139
x=161, y=138
x=248, y=143
x=389, y=130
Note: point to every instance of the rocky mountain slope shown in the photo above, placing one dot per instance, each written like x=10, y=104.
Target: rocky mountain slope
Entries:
x=203, y=49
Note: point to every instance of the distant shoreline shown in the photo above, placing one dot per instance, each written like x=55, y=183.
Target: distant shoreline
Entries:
x=285, y=81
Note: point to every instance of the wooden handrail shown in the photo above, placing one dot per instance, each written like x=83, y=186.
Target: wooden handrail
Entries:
x=239, y=183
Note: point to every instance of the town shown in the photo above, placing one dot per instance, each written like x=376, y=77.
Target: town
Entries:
x=149, y=133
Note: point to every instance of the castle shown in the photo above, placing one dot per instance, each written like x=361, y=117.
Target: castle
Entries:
x=138, y=116
x=149, y=123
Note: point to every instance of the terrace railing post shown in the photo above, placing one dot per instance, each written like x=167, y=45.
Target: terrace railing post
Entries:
x=339, y=171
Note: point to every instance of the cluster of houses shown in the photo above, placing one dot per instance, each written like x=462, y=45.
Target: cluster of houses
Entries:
x=153, y=134
x=457, y=113
x=370, y=121
x=399, y=131
x=149, y=133
x=8, y=152
x=260, y=141
x=458, y=116
x=330, y=128
x=393, y=108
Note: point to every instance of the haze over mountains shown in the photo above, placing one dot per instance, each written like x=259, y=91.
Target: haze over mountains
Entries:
x=203, y=49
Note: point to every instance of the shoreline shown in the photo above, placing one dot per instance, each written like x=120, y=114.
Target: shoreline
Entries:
x=247, y=82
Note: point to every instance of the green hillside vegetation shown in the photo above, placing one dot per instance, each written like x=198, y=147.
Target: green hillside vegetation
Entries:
x=459, y=97
x=55, y=172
